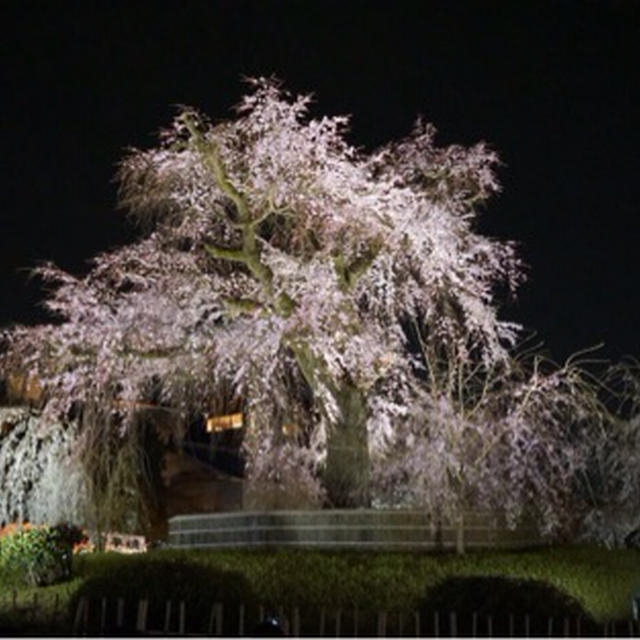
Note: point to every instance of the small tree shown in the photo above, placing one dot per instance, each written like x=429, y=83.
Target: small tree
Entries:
x=610, y=482
x=41, y=477
x=512, y=438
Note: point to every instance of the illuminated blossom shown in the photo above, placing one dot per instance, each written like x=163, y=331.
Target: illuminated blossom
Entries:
x=302, y=273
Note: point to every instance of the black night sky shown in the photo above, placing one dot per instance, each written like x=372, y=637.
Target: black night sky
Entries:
x=553, y=86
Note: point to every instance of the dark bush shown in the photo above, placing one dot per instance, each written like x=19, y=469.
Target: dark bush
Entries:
x=158, y=580
x=506, y=601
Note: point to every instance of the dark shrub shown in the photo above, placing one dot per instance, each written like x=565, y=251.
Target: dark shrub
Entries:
x=159, y=580
x=501, y=599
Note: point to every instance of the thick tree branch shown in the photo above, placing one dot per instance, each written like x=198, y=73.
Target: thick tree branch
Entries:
x=348, y=275
x=222, y=253
x=241, y=305
x=209, y=152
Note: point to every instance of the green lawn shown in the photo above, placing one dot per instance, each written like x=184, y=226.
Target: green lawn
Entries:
x=601, y=581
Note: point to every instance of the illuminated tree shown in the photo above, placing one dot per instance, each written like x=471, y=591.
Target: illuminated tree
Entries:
x=611, y=480
x=514, y=438
x=301, y=272
x=40, y=478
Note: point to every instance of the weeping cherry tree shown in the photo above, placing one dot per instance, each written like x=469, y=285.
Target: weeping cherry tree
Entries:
x=341, y=294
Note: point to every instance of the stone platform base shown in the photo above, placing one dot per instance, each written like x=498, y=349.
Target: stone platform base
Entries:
x=343, y=529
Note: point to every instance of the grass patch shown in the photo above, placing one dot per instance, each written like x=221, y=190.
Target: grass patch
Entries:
x=599, y=581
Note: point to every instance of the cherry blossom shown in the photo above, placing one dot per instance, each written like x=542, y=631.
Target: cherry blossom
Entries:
x=345, y=292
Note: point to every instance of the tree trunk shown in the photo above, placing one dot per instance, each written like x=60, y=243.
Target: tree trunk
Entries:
x=460, y=548
x=347, y=469
x=346, y=475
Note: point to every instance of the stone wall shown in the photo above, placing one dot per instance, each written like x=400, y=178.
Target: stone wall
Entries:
x=344, y=529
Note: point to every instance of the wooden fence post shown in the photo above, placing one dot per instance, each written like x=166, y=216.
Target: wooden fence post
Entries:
x=382, y=624
x=338, y=622
x=283, y=620
x=474, y=625
x=296, y=622
x=212, y=619
x=527, y=626
x=85, y=617
x=565, y=629
x=77, y=621
x=511, y=625
x=167, y=617
x=182, y=615
x=141, y=618
x=241, y=621
x=120, y=613
x=416, y=620
x=322, y=622
x=550, y=627
x=453, y=625
x=490, y=626
x=219, y=619
x=436, y=624
x=355, y=622
x=103, y=615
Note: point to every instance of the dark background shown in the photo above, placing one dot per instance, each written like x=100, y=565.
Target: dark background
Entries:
x=553, y=86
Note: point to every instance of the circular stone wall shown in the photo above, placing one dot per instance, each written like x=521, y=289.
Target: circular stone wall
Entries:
x=342, y=529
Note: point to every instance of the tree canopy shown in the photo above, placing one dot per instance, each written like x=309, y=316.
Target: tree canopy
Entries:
x=342, y=292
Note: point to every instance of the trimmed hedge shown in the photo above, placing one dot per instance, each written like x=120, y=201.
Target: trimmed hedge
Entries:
x=567, y=580
x=602, y=581
x=506, y=601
